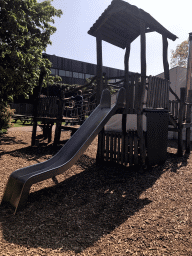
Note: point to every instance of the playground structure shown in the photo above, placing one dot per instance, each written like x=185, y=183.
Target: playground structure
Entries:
x=20, y=181
x=52, y=109
x=145, y=98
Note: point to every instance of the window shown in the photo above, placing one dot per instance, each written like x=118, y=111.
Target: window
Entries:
x=112, y=81
x=68, y=73
x=61, y=72
x=81, y=75
x=87, y=76
x=53, y=71
x=75, y=75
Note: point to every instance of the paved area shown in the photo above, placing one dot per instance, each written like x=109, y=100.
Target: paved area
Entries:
x=26, y=129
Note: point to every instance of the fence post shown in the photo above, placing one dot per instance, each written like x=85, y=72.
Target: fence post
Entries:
x=180, y=121
x=188, y=120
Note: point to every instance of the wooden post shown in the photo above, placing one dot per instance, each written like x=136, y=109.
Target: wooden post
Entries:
x=189, y=93
x=98, y=94
x=189, y=68
x=126, y=85
x=142, y=92
x=100, y=147
x=41, y=77
x=188, y=120
x=180, y=121
x=126, y=66
x=99, y=68
x=59, y=122
x=165, y=54
x=34, y=132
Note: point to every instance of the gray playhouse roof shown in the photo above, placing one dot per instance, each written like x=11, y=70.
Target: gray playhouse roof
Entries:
x=120, y=23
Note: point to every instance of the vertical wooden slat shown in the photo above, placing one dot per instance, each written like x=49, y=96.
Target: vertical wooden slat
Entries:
x=153, y=87
x=149, y=93
x=122, y=148
x=161, y=92
x=58, y=121
x=136, y=160
x=144, y=146
x=126, y=148
x=130, y=95
x=175, y=110
x=164, y=96
x=167, y=94
x=115, y=147
x=167, y=83
x=136, y=101
x=131, y=148
x=169, y=106
x=107, y=146
x=104, y=145
x=111, y=147
x=158, y=92
x=155, y=96
x=154, y=83
x=101, y=145
x=119, y=148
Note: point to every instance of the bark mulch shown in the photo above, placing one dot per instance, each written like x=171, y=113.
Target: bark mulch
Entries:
x=97, y=210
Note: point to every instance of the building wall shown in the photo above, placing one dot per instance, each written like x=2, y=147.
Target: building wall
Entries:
x=76, y=72
x=177, y=79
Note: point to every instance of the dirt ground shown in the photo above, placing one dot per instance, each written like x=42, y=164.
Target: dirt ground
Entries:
x=97, y=210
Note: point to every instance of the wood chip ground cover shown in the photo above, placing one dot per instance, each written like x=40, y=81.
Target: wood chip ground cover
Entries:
x=97, y=209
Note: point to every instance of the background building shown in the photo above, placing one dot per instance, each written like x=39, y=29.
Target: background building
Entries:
x=177, y=79
x=76, y=72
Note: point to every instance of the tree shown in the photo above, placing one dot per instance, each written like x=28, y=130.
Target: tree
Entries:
x=25, y=30
x=179, y=56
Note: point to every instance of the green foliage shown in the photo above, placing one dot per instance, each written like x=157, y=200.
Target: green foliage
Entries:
x=179, y=56
x=25, y=30
x=5, y=117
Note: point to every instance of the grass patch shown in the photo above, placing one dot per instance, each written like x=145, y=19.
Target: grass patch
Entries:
x=2, y=131
x=19, y=123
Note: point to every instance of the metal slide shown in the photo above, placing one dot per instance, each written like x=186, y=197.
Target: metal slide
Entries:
x=20, y=181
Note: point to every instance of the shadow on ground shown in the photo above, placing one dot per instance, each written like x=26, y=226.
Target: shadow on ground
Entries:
x=8, y=140
x=80, y=210
x=31, y=153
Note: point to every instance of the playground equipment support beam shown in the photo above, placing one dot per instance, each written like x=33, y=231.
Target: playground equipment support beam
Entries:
x=180, y=121
x=188, y=120
x=126, y=86
x=99, y=92
x=99, y=68
x=41, y=77
x=166, y=64
x=142, y=91
x=165, y=61
x=189, y=68
x=126, y=66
